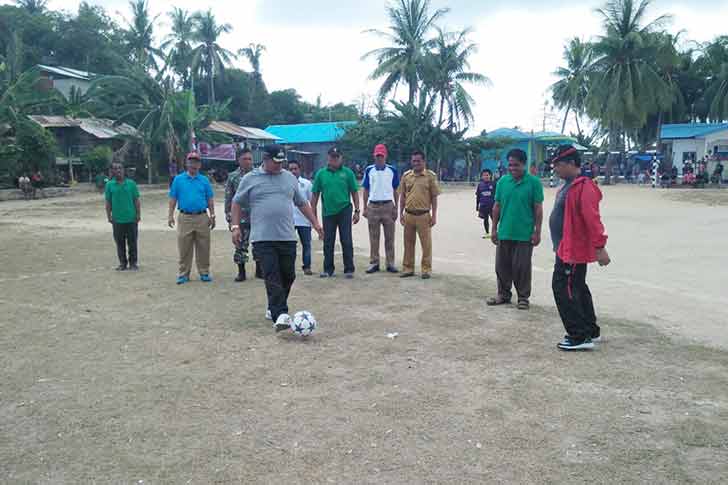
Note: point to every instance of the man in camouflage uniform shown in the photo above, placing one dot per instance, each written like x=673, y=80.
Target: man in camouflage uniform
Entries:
x=240, y=256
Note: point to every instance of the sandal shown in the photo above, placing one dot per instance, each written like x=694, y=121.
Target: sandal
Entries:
x=523, y=305
x=497, y=300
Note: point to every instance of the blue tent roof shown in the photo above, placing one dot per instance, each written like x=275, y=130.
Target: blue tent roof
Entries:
x=508, y=133
x=310, y=132
x=691, y=130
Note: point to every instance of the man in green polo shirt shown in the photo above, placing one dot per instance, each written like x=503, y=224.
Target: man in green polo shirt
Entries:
x=336, y=184
x=123, y=211
x=517, y=218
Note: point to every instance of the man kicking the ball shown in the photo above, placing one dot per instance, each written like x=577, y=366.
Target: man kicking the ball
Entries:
x=267, y=193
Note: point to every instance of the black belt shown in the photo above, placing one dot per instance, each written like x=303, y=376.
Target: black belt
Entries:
x=379, y=202
x=192, y=213
x=417, y=212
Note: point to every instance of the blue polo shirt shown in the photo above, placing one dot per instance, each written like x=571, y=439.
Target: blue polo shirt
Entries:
x=192, y=193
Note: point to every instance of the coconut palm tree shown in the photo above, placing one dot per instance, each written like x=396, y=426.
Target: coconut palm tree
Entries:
x=253, y=53
x=402, y=61
x=626, y=84
x=178, y=44
x=570, y=91
x=33, y=6
x=447, y=69
x=140, y=36
x=716, y=95
x=209, y=57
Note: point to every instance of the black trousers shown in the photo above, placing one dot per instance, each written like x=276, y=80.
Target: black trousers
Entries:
x=126, y=235
x=513, y=268
x=342, y=222
x=278, y=262
x=574, y=300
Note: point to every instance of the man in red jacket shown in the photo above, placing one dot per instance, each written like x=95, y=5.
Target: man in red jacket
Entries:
x=579, y=239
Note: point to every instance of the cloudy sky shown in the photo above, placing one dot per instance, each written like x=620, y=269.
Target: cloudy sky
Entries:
x=315, y=46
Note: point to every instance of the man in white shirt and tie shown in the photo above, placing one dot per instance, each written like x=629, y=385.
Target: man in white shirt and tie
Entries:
x=303, y=227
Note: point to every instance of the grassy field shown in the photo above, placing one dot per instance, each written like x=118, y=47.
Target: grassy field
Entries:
x=126, y=378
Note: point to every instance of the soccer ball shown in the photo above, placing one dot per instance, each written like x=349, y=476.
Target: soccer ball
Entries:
x=303, y=323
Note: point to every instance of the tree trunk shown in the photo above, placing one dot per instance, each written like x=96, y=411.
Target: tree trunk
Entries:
x=566, y=116
x=578, y=128
x=148, y=155
x=442, y=111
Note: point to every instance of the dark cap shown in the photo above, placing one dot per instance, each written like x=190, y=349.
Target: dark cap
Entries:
x=567, y=153
x=334, y=152
x=275, y=152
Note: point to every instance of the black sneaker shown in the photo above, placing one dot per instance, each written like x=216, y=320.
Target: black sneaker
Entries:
x=349, y=275
x=407, y=275
x=121, y=267
x=324, y=274
x=392, y=269
x=596, y=335
x=133, y=267
x=307, y=271
x=373, y=269
x=568, y=343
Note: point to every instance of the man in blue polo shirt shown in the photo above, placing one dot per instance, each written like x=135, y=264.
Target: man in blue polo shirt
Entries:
x=191, y=192
x=380, y=184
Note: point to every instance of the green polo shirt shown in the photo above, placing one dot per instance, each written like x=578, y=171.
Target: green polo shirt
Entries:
x=122, y=197
x=335, y=187
x=516, y=200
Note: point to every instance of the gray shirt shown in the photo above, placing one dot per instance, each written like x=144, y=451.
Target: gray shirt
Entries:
x=556, y=220
x=268, y=197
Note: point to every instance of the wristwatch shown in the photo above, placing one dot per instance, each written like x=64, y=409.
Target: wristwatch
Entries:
x=356, y=211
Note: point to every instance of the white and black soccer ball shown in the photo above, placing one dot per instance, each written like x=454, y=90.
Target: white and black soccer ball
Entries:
x=303, y=324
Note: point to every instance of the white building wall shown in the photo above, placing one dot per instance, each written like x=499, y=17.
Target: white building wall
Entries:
x=680, y=149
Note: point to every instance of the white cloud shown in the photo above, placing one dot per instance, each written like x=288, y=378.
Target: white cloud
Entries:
x=318, y=52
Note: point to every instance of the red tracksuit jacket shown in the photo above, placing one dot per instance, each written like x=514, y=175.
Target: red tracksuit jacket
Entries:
x=583, y=229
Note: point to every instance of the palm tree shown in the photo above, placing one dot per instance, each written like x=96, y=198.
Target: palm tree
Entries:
x=626, y=83
x=402, y=61
x=178, y=44
x=570, y=91
x=667, y=63
x=253, y=53
x=716, y=94
x=140, y=36
x=140, y=100
x=209, y=57
x=33, y=6
x=447, y=69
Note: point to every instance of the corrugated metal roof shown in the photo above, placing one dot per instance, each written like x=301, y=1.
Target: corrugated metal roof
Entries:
x=54, y=121
x=690, y=130
x=241, y=131
x=98, y=127
x=311, y=132
x=67, y=72
x=258, y=134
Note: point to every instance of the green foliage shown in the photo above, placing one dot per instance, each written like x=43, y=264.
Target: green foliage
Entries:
x=36, y=146
x=98, y=159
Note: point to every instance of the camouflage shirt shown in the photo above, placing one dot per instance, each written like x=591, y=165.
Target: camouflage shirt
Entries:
x=231, y=186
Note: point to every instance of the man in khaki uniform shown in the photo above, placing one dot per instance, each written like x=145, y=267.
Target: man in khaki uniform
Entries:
x=418, y=214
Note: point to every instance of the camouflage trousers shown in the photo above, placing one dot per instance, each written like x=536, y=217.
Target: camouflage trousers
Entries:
x=240, y=256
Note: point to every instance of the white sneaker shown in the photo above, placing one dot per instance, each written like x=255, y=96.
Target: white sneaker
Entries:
x=268, y=315
x=283, y=323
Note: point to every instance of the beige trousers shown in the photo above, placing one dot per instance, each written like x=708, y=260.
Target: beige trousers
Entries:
x=378, y=216
x=193, y=234
x=417, y=226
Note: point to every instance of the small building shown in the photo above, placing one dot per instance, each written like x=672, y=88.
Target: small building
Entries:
x=64, y=79
x=537, y=146
x=243, y=137
x=694, y=142
x=74, y=137
x=309, y=143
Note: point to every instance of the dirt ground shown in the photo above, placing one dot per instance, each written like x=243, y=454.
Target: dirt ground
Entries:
x=126, y=378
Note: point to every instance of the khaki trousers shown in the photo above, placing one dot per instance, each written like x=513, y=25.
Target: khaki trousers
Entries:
x=417, y=226
x=193, y=234
x=378, y=216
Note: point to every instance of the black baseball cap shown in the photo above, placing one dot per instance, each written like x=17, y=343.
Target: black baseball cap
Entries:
x=334, y=151
x=275, y=152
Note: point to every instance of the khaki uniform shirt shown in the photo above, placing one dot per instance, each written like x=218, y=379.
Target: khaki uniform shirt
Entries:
x=419, y=189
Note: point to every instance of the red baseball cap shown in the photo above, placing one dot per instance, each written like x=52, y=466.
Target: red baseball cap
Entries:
x=380, y=150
